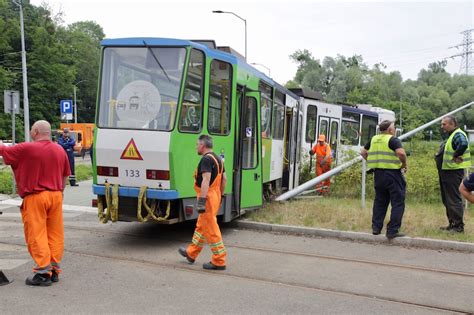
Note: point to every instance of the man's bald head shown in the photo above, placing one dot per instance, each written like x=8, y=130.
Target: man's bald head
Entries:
x=41, y=130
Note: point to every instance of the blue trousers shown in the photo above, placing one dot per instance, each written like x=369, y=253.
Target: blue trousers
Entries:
x=390, y=186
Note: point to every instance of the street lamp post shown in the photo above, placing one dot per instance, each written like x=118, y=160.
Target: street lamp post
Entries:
x=259, y=64
x=75, y=102
x=245, y=22
x=26, y=107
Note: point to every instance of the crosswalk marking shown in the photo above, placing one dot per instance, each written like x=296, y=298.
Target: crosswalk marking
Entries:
x=83, y=209
x=10, y=263
x=66, y=215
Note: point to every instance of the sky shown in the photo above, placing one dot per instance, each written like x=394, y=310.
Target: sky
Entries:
x=404, y=35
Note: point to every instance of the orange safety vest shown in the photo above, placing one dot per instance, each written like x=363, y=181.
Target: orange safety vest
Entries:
x=214, y=193
x=322, y=151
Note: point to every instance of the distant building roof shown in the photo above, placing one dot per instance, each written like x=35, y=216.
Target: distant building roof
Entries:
x=307, y=93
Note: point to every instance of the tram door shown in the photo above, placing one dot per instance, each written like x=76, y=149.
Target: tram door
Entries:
x=248, y=192
x=334, y=138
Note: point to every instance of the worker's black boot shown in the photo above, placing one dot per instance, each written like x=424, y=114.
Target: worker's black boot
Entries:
x=72, y=180
x=182, y=251
x=42, y=280
x=54, y=276
x=392, y=236
x=211, y=266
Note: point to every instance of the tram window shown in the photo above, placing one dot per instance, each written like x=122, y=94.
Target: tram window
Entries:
x=323, y=127
x=220, y=88
x=278, y=122
x=278, y=117
x=191, y=108
x=266, y=109
x=311, y=114
x=249, y=135
x=140, y=87
x=350, y=128
x=369, y=128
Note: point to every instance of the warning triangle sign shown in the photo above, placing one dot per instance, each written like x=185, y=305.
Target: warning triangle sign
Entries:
x=131, y=152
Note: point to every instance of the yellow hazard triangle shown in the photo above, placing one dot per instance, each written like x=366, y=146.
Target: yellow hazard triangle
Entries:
x=131, y=152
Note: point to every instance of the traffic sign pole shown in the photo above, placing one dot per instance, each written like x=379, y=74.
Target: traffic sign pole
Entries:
x=12, y=107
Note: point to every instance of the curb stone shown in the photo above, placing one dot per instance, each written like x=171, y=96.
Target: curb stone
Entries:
x=358, y=236
x=4, y=197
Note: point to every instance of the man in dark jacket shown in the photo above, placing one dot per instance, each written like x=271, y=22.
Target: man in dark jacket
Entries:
x=452, y=159
x=68, y=143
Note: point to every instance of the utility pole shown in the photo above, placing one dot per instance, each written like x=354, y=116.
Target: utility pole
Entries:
x=75, y=100
x=467, y=63
x=26, y=107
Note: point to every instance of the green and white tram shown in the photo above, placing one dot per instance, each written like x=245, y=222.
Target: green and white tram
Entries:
x=156, y=96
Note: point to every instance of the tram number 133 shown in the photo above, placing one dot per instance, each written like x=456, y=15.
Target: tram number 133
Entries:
x=132, y=173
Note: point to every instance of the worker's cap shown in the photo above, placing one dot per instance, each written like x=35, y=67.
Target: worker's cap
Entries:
x=322, y=138
x=384, y=125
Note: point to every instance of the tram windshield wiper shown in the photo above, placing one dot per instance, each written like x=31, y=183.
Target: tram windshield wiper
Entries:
x=157, y=61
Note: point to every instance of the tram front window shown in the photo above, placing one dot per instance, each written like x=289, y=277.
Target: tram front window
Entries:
x=140, y=87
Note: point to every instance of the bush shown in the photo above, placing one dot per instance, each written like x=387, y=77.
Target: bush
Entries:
x=6, y=184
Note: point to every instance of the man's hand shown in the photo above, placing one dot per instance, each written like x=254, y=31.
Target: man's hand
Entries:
x=322, y=162
x=458, y=160
x=311, y=152
x=201, y=205
x=404, y=168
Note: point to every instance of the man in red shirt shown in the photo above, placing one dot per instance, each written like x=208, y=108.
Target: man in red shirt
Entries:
x=41, y=169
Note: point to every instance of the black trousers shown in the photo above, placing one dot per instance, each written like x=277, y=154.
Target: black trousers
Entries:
x=449, y=182
x=390, y=187
x=70, y=156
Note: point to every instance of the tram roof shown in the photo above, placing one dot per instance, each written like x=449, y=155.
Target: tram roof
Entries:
x=213, y=53
x=352, y=109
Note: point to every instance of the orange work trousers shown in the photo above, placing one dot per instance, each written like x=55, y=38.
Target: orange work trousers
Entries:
x=42, y=215
x=324, y=185
x=207, y=229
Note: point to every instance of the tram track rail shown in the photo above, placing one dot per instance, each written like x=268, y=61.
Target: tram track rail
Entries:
x=261, y=280
x=296, y=253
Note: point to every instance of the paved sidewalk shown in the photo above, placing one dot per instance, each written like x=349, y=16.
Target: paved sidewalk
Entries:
x=79, y=195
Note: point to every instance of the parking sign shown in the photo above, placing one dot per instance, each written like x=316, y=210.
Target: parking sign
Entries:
x=66, y=109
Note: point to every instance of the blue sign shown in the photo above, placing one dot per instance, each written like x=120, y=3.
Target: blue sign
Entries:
x=66, y=109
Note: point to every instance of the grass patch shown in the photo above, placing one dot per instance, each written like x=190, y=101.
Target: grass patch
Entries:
x=420, y=219
x=6, y=183
x=83, y=172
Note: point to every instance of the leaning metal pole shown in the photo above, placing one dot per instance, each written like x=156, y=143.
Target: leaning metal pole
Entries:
x=298, y=190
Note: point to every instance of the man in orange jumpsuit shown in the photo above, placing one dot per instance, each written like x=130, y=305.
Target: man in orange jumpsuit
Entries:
x=323, y=162
x=41, y=169
x=209, y=183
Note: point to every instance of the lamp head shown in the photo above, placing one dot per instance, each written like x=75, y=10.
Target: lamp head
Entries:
x=217, y=11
